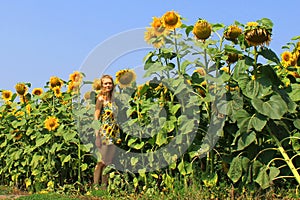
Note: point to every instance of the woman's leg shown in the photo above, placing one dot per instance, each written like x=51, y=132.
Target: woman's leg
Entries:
x=108, y=158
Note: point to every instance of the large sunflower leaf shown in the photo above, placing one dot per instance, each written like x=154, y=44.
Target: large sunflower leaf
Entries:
x=274, y=108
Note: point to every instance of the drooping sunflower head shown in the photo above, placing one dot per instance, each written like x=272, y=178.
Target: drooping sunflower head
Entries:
x=76, y=76
x=202, y=30
x=37, y=91
x=55, y=81
x=7, y=95
x=258, y=33
x=232, y=33
x=51, y=123
x=232, y=57
x=125, y=77
x=21, y=89
x=151, y=37
x=171, y=20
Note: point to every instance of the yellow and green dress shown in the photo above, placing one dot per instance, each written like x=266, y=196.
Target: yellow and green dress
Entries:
x=109, y=130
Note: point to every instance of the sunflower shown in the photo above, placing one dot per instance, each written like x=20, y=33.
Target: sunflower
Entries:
x=96, y=85
x=286, y=58
x=158, y=26
x=232, y=58
x=202, y=30
x=21, y=89
x=254, y=24
x=171, y=20
x=256, y=34
x=226, y=70
x=232, y=33
x=73, y=87
x=125, y=77
x=6, y=95
x=37, y=91
x=55, y=81
x=57, y=91
x=76, y=76
x=51, y=123
x=151, y=37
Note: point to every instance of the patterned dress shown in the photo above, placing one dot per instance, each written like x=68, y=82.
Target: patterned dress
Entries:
x=109, y=130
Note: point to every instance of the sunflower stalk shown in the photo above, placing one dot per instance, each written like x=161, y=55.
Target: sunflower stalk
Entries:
x=177, y=53
x=284, y=154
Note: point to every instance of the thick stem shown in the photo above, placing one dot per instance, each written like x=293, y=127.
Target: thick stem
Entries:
x=287, y=159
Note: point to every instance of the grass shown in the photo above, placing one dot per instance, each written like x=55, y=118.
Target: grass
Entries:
x=191, y=192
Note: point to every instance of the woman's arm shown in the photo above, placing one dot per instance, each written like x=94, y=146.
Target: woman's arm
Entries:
x=98, y=108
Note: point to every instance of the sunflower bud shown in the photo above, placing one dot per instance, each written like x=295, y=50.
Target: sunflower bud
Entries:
x=202, y=30
x=200, y=71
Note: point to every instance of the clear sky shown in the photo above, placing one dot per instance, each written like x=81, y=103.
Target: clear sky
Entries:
x=43, y=38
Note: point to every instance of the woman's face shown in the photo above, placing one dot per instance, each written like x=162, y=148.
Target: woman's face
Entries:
x=107, y=84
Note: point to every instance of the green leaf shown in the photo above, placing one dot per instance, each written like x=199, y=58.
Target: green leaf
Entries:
x=263, y=179
x=41, y=141
x=295, y=93
x=161, y=138
x=235, y=170
x=274, y=108
x=270, y=55
x=274, y=172
x=138, y=146
x=210, y=180
x=245, y=140
x=181, y=168
x=66, y=159
x=297, y=123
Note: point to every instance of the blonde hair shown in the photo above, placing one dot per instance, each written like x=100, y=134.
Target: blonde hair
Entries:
x=101, y=82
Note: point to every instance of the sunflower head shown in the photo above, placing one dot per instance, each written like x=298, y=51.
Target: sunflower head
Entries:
x=232, y=57
x=151, y=37
x=158, y=25
x=76, y=76
x=125, y=77
x=6, y=95
x=232, y=33
x=51, y=123
x=258, y=33
x=202, y=29
x=171, y=20
x=286, y=58
x=96, y=84
x=73, y=87
x=55, y=81
x=57, y=91
x=21, y=89
x=37, y=91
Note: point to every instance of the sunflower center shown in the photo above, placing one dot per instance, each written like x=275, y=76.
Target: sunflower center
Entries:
x=171, y=19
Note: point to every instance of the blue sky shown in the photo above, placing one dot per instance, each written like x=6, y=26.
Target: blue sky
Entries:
x=39, y=39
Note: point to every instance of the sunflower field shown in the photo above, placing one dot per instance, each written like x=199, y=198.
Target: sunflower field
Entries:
x=220, y=109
